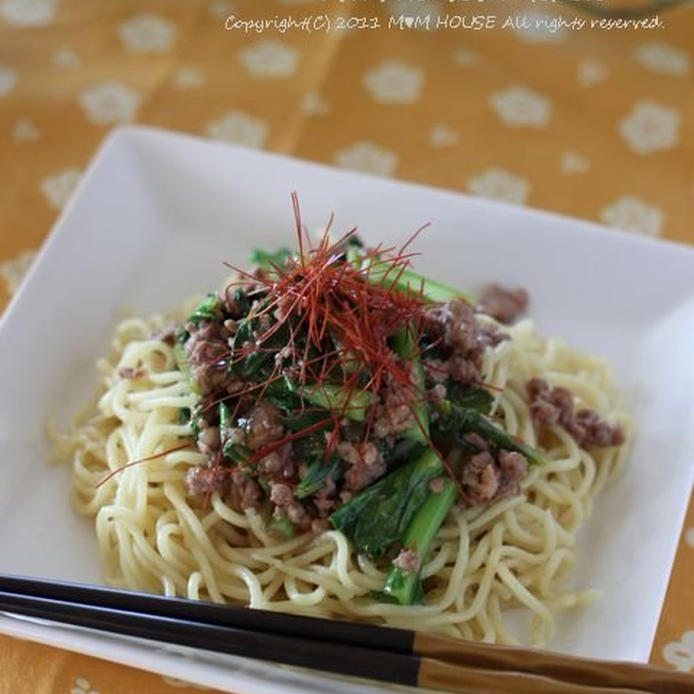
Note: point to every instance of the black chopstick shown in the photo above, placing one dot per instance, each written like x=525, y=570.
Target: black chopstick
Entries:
x=335, y=631
x=315, y=653
x=394, y=668
x=348, y=648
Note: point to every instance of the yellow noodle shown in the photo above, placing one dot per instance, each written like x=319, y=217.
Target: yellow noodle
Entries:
x=484, y=561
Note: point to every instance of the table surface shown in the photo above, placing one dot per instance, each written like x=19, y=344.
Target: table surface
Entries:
x=588, y=122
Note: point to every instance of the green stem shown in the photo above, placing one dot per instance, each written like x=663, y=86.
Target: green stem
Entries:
x=383, y=272
x=352, y=402
x=405, y=346
x=405, y=586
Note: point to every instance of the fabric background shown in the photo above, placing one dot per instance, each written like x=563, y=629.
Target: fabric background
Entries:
x=594, y=124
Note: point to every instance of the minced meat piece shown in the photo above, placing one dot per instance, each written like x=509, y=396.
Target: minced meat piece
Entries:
x=491, y=475
x=463, y=341
x=203, y=480
x=407, y=561
x=506, y=305
x=131, y=373
x=209, y=440
x=555, y=406
x=263, y=425
x=365, y=461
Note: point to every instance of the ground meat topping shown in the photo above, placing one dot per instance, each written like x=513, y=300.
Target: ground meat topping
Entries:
x=131, y=373
x=365, y=461
x=455, y=322
x=555, y=406
x=395, y=413
x=463, y=340
x=252, y=351
x=438, y=392
x=282, y=496
x=490, y=474
x=407, y=561
x=203, y=480
x=166, y=333
x=506, y=305
x=205, y=350
x=209, y=440
x=246, y=492
x=590, y=431
x=263, y=425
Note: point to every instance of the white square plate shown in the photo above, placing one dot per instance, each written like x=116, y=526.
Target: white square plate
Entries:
x=151, y=223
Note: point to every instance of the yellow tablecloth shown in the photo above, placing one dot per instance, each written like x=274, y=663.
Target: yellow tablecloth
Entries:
x=590, y=122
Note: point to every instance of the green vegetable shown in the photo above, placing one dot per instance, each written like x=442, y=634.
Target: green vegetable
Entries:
x=458, y=421
x=402, y=450
x=471, y=398
x=353, y=403
x=383, y=272
x=257, y=364
x=240, y=302
x=296, y=416
x=281, y=526
x=299, y=419
x=209, y=309
x=377, y=517
x=405, y=587
x=316, y=474
x=235, y=452
x=195, y=427
x=310, y=448
x=405, y=346
x=224, y=417
x=268, y=260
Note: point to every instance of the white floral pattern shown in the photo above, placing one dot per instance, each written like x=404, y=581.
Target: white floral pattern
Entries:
x=109, y=102
x=662, y=58
x=498, y=184
x=14, y=269
x=188, y=78
x=650, y=127
x=520, y=107
x=590, y=72
x=680, y=653
x=465, y=57
x=8, y=78
x=238, y=128
x=83, y=686
x=270, y=59
x=689, y=537
x=393, y=82
x=367, y=157
x=631, y=214
x=313, y=104
x=538, y=29
x=220, y=9
x=442, y=135
x=28, y=13
x=66, y=57
x=147, y=33
x=59, y=187
x=573, y=162
x=25, y=130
